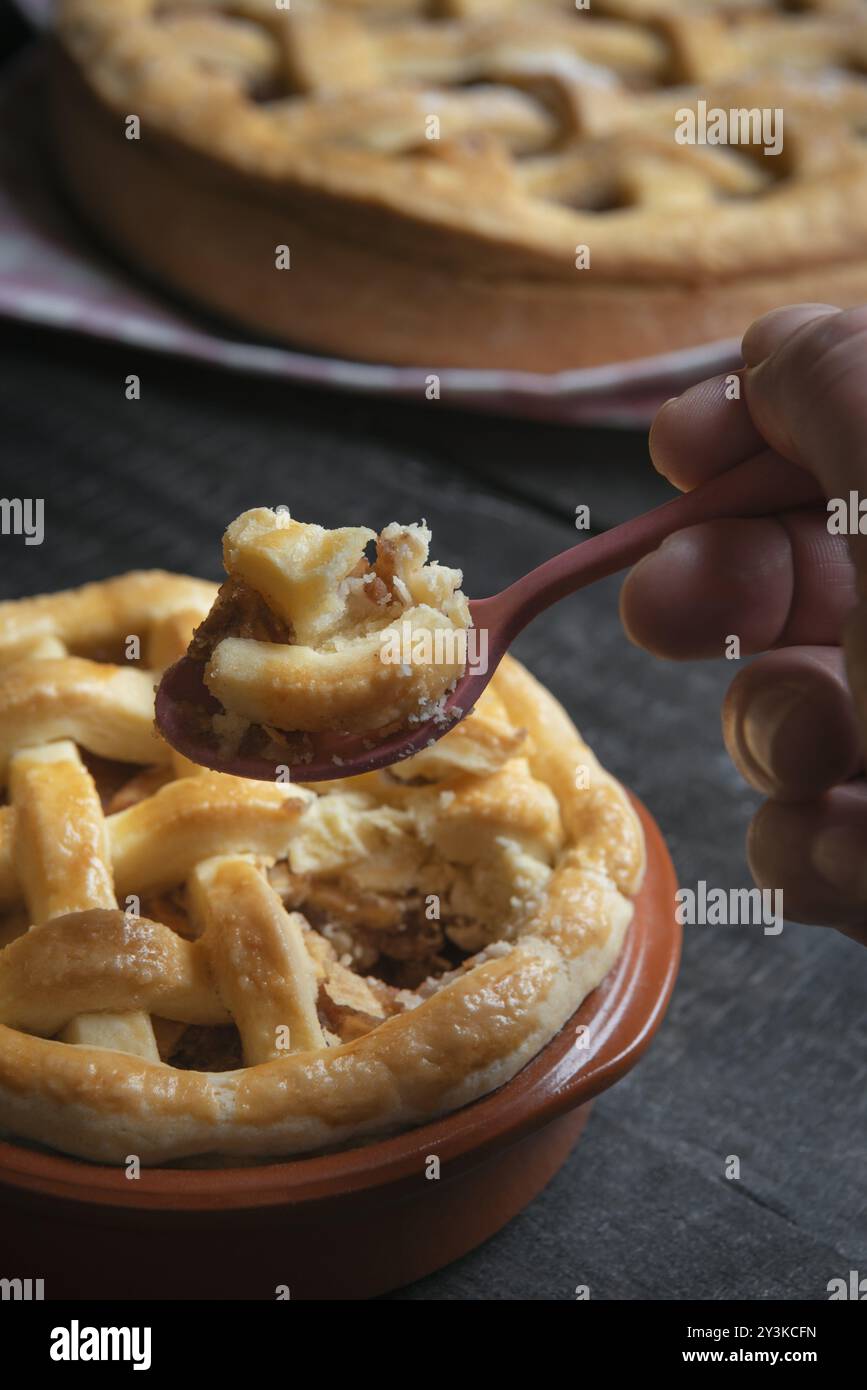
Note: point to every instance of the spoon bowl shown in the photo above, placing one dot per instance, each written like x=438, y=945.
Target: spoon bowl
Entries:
x=182, y=690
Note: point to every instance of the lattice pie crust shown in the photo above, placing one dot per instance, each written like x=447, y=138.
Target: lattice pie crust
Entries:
x=196, y=964
x=308, y=129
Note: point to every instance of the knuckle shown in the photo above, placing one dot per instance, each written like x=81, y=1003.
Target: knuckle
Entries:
x=826, y=349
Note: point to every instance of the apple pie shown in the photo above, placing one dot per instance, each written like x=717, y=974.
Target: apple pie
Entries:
x=196, y=964
x=474, y=183
x=308, y=635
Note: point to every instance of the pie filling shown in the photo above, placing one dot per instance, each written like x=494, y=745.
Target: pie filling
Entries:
x=401, y=881
x=309, y=636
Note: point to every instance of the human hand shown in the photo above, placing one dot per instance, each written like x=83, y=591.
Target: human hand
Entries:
x=795, y=719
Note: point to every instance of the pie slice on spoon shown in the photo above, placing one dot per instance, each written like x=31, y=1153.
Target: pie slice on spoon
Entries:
x=314, y=654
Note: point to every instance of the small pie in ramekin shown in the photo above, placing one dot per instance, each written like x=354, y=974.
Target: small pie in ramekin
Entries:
x=197, y=964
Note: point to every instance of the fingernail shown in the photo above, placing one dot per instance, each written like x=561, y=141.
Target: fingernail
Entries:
x=665, y=555
x=765, y=716
x=753, y=360
x=661, y=411
x=838, y=856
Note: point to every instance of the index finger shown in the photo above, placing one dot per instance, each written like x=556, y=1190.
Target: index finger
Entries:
x=703, y=432
x=708, y=429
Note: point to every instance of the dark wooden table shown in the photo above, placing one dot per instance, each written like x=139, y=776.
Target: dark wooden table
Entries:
x=764, y=1053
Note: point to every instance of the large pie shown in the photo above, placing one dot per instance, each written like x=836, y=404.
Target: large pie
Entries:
x=474, y=183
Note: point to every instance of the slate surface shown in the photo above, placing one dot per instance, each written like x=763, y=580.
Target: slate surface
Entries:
x=763, y=1053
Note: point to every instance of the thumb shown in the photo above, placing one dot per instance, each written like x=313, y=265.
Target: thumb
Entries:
x=808, y=398
x=808, y=393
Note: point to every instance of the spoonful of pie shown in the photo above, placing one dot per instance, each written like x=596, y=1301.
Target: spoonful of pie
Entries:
x=316, y=662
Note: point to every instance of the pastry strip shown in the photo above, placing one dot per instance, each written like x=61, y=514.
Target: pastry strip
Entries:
x=262, y=967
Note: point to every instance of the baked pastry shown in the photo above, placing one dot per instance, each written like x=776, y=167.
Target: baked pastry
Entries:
x=308, y=635
x=471, y=183
x=197, y=964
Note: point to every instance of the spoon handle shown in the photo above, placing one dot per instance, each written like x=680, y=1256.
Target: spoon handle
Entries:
x=758, y=487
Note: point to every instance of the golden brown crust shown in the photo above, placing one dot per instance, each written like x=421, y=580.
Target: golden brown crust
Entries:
x=80, y=1065
x=102, y=614
x=462, y=251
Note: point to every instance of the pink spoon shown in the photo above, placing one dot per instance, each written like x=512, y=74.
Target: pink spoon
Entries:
x=759, y=487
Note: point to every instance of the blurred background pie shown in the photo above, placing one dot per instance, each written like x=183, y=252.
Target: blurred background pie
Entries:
x=471, y=183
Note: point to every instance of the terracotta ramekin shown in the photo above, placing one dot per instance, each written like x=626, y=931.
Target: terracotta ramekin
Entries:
x=355, y=1223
